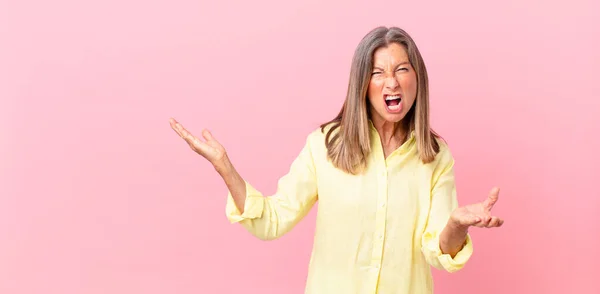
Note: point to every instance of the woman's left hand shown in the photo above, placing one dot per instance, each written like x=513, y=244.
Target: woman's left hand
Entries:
x=478, y=214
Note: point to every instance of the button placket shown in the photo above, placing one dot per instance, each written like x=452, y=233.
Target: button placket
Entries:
x=380, y=217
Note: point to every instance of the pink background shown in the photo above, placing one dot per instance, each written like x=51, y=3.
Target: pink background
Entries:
x=98, y=195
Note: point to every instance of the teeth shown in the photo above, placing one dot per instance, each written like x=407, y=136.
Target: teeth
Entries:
x=388, y=98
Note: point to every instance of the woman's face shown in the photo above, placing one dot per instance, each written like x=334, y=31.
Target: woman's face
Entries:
x=393, y=85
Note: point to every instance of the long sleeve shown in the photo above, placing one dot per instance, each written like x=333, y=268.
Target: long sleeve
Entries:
x=272, y=216
x=443, y=202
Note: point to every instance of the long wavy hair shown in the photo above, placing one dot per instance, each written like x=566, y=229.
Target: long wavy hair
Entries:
x=348, y=136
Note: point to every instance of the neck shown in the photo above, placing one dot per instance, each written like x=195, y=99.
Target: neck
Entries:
x=390, y=133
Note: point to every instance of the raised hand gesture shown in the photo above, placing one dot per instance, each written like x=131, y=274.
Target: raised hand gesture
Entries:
x=210, y=149
x=478, y=214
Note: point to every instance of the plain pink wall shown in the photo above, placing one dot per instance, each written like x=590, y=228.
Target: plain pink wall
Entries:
x=98, y=195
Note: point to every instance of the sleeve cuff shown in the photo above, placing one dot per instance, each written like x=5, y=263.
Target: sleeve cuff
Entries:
x=253, y=206
x=433, y=253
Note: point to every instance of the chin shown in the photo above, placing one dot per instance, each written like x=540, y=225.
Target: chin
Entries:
x=394, y=118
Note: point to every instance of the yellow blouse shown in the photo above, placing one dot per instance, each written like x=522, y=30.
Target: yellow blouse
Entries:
x=376, y=232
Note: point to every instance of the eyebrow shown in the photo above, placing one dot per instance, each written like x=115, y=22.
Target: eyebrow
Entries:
x=401, y=63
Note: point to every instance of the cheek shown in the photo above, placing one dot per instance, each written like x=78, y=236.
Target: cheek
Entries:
x=374, y=91
x=410, y=85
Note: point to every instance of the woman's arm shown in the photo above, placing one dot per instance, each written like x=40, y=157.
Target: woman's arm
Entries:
x=445, y=247
x=446, y=242
x=234, y=182
x=265, y=217
x=273, y=216
x=453, y=238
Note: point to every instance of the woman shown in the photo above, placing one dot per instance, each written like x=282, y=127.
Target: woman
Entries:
x=384, y=181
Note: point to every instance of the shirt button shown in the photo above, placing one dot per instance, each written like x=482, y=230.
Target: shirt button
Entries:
x=383, y=205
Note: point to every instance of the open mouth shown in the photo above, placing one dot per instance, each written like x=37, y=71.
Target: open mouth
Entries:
x=392, y=100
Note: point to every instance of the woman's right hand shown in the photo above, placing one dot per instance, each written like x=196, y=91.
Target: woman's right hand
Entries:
x=210, y=149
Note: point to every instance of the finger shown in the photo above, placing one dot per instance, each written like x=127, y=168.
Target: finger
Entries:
x=484, y=221
x=470, y=220
x=492, y=198
x=173, y=124
x=182, y=132
x=495, y=222
x=474, y=220
x=186, y=135
x=176, y=126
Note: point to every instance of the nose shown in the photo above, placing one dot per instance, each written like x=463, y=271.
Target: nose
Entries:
x=391, y=83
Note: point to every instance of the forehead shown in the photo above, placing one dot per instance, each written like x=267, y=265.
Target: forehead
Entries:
x=391, y=54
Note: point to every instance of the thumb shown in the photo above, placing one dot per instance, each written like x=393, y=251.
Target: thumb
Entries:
x=492, y=198
x=207, y=135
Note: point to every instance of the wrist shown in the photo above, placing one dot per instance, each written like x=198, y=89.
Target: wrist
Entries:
x=457, y=228
x=223, y=166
